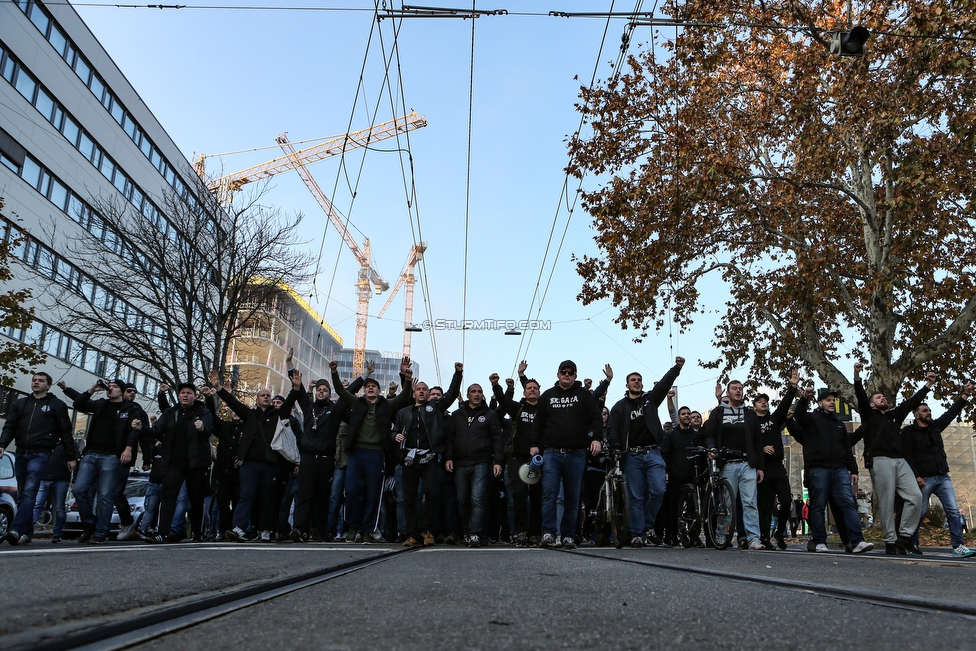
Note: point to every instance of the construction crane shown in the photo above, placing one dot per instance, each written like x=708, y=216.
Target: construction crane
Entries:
x=228, y=184
x=407, y=280
x=367, y=274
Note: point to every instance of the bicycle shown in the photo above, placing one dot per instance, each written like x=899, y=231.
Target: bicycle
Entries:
x=613, y=506
x=706, y=507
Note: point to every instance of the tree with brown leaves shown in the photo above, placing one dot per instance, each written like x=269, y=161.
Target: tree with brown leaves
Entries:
x=832, y=195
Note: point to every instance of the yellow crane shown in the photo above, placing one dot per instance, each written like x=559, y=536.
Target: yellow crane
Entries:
x=367, y=274
x=407, y=280
x=297, y=159
x=228, y=184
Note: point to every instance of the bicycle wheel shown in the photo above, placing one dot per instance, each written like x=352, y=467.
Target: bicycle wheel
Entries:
x=720, y=514
x=601, y=533
x=619, y=513
x=689, y=517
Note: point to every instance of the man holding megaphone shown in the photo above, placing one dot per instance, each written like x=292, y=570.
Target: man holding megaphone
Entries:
x=526, y=493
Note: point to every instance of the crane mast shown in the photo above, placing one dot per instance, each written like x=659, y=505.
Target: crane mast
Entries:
x=407, y=281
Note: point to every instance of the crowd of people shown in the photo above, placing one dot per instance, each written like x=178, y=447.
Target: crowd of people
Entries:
x=339, y=460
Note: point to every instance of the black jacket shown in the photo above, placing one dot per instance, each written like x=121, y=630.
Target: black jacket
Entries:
x=359, y=408
x=38, y=425
x=567, y=418
x=57, y=467
x=523, y=418
x=713, y=435
x=770, y=429
x=924, y=447
x=320, y=423
x=675, y=451
x=825, y=441
x=474, y=436
x=198, y=442
x=621, y=434
x=259, y=429
x=431, y=417
x=882, y=430
x=125, y=435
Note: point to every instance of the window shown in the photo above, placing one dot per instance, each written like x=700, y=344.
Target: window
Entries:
x=25, y=84
x=86, y=146
x=82, y=69
x=40, y=19
x=44, y=104
x=107, y=168
x=58, y=40
x=71, y=130
x=117, y=111
x=59, y=195
x=97, y=87
x=7, y=69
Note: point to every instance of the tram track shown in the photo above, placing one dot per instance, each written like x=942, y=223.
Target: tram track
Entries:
x=917, y=604
x=165, y=619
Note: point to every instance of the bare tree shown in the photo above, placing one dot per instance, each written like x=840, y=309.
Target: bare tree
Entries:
x=169, y=294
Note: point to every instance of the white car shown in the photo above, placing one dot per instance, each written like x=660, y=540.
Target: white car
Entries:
x=8, y=492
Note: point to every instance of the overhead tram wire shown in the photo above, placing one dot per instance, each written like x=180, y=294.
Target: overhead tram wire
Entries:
x=410, y=191
x=467, y=191
x=526, y=343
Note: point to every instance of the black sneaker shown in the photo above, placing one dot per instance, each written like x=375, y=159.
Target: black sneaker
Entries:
x=96, y=540
x=780, y=541
x=906, y=546
x=153, y=538
x=811, y=546
x=12, y=537
x=86, y=535
x=296, y=536
x=653, y=540
x=891, y=549
x=55, y=540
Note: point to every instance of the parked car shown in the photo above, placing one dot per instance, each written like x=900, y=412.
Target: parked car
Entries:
x=8, y=492
x=135, y=491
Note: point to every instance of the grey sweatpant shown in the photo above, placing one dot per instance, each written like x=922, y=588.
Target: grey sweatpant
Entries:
x=891, y=476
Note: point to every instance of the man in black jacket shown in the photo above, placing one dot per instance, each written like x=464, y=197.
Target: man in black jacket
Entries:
x=884, y=456
x=320, y=425
x=370, y=421
x=776, y=483
x=257, y=462
x=526, y=498
x=635, y=427
x=681, y=470
x=567, y=423
x=38, y=422
x=419, y=431
x=925, y=452
x=113, y=435
x=474, y=449
x=830, y=469
x=726, y=428
x=184, y=431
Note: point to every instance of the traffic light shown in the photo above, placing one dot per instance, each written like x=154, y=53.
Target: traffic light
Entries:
x=850, y=44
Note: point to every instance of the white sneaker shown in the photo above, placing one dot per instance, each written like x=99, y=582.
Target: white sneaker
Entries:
x=755, y=545
x=126, y=531
x=821, y=548
x=265, y=536
x=548, y=540
x=863, y=546
x=963, y=552
x=236, y=534
x=558, y=543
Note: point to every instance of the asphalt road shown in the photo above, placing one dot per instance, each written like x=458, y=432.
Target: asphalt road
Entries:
x=497, y=597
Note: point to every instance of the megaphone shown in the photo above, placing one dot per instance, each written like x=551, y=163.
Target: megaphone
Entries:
x=531, y=472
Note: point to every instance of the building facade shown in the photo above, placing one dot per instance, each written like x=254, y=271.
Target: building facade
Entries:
x=73, y=132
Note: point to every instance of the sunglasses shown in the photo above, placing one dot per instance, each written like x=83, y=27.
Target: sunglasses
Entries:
x=567, y=371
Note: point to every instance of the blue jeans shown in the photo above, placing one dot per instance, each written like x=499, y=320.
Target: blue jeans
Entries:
x=826, y=483
x=646, y=487
x=337, y=525
x=56, y=490
x=471, y=483
x=151, y=507
x=100, y=472
x=941, y=486
x=742, y=476
x=258, y=484
x=364, y=485
x=564, y=468
x=30, y=468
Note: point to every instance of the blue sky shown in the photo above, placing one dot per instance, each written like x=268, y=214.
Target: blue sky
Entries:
x=225, y=80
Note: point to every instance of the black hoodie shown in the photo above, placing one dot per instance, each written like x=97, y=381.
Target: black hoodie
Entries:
x=567, y=418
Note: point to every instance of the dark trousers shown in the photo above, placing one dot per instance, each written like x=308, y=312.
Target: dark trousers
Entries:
x=771, y=487
x=671, y=505
x=121, y=501
x=448, y=517
x=430, y=473
x=228, y=494
x=196, y=488
x=314, y=491
x=258, y=480
x=527, y=499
